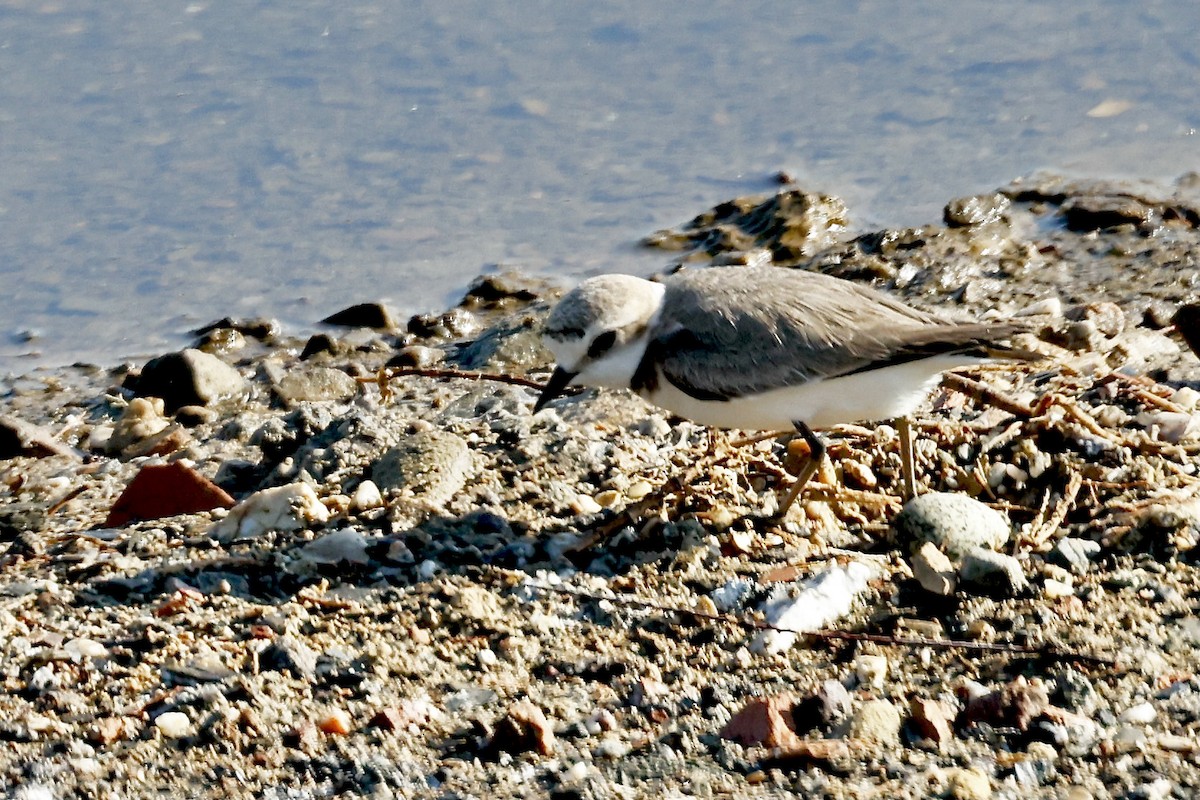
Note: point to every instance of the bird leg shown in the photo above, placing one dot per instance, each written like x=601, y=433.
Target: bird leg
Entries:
x=816, y=449
x=907, y=464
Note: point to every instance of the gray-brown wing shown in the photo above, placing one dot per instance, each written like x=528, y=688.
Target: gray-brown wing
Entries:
x=722, y=336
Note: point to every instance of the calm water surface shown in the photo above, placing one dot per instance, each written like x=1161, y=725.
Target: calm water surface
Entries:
x=163, y=164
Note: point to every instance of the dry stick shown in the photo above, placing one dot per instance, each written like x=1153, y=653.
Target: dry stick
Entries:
x=980, y=391
x=1045, y=651
x=68, y=497
x=387, y=373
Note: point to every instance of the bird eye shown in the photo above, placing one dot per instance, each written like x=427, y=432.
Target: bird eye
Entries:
x=602, y=344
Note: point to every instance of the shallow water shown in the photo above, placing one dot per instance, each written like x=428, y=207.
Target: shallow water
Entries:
x=167, y=164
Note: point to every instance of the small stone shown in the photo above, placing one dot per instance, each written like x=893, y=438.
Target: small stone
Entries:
x=281, y=508
x=1013, y=705
x=763, y=721
x=166, y=490
x=81, y=648
x=415, y=356
x=638, y=489
x=289, y=654
x=20, y=438
x=1140, y=714
x=142, y=418
x=829, y=704
x=431, y=464
x=346, y=546
x=871, y=670
x=876, y=721
x=189, y=377
x=990, y=573
x=968, y=784
x=858, y=475
x=363, y=315
x=933, y=570
x=319, y=344
x=966, y=212
x=585, y=506
x=1053, y=589
x=366, y=497
x=107, y=730
x=1074, y=554
x=955, y=523
x=524, y=728
x=173, y=724
x=316, y=384
x=931, y=720
x=260, y=328
x=336, y=722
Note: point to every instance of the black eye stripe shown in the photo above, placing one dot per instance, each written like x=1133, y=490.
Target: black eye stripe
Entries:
x=602, y=344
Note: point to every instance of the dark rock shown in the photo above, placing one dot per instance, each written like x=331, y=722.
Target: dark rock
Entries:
x=504, y=290
x=1187, y=322
x=966, y=212
x=453, y=324
x=221, y=340
x=1074, y=554
x=524, y=729
x=262, y=329
x=20, y=438
x=289, y=654
x=189, y=377
x=165, y=490
x=1014, y=705
x=415, y=356
x=363, y=315
x=191, y=416
x=320, y=343
x=991, y=573
x=830, y=703
x=1095, y=212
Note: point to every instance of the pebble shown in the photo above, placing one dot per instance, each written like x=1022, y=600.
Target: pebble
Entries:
x=288, y=654
x=315, y=384
x=991, y=573
x=1140, y=714
x=281, y=508
x=872, y=670
x=876, y=721
x=955, y=523
x=433, y=465
x=173, y=724
x=931, y=720
x=363, y=315
x=1074, y=554
x=968, y=784
x=336, y=722
x=933, y=570
x=188, y=377
x=765, y=721
x=366, y=497
x=524, y=728
x=829, y=704
x=18, y=438
x=346, y=546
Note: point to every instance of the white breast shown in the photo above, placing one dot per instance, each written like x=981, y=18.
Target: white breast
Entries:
x=863, y=397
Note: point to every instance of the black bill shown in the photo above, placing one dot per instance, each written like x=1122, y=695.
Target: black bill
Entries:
x=560, y=379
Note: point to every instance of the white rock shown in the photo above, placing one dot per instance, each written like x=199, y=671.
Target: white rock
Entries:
x=346, y=545
x=871, y=670
x=173, y=724
x=366, y=496
x=80, y=648
x=1141, y=714
x=280, y=508
x=818, y=603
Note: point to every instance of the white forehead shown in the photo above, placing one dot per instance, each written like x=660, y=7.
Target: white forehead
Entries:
x=605, y=302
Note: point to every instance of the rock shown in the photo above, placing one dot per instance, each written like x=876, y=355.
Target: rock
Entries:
x=320, y=343
x=173, y=724
x=281, y=508
x=990, y=573
x=968, y=784
x=1014, y=705
x=523, y=729
x=415, y=356
x=966, y=212
x=1187, y=322
x=955, y=523
x=1140, y=714
x=830, y=703
x=432, y=465
x=1074, y=554
x=189, y=377
x=933, y=570
x=259, y=328
x=315, y=384
x=871, y=670
x=765, y=721
x=876, y=721
x=1094, y=212
x=363, y=315
x=289, y=654
x=336, y=722
x=814, y=604
x=366, y=497
x=931, y=720
x=344, y=546
x=166, y=490
x=20, y=438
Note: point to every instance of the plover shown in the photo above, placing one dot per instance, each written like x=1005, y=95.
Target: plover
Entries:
x=759, y=348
